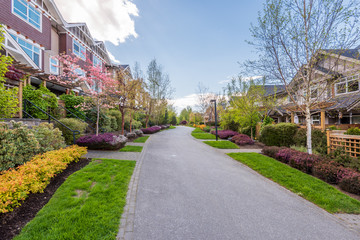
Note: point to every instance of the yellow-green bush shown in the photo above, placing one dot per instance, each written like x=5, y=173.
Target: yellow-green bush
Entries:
x=34, y=176
x=73, y=124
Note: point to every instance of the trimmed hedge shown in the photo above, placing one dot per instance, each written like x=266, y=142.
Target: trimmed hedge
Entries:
x=281, y=134
x=106, y=141
x=34, y=176
x=242, y=139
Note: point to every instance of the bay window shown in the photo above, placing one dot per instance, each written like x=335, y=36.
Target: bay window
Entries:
x=31, y=50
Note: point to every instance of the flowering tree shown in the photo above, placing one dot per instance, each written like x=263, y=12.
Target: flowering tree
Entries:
x=94, y=80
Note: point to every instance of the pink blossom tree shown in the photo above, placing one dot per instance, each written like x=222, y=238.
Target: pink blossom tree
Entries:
x=95, y=81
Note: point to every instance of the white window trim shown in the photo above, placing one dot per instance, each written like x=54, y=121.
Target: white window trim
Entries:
x=312, y=119
x=80, y=46
x=58, y=68
x=32, y=43
x=346, y=85
x=41, y=16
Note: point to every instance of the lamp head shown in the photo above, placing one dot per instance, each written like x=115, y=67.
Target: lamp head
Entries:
x=213, y=101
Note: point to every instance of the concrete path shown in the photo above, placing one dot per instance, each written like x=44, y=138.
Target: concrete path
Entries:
x=188, y=190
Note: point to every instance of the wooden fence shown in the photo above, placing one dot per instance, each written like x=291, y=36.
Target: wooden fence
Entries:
x=350, y=143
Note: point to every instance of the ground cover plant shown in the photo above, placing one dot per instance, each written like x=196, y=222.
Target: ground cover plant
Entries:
x=106, y=141
x=242, y=139
x=131, y=149
x=34, y=176
x=222, y=144
x=87, y=206
x=306, y=186
x=225, y=134
x=141, y=139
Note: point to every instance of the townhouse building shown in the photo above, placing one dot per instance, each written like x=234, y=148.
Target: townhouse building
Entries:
x=35, y=33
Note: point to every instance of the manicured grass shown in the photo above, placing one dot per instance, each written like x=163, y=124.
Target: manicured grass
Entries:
x=131, y=149
x=304, y=185
x=172, y=127
x=141, y=139
x=87, y=206
x=200, y=134
x=222, y=144
x=203, y=136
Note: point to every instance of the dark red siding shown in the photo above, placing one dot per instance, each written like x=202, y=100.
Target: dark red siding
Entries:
x=17, y=24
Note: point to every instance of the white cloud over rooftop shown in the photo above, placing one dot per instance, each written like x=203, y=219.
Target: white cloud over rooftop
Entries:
x=108, y=20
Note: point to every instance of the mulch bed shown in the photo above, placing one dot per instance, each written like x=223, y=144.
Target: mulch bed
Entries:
x=11, y=223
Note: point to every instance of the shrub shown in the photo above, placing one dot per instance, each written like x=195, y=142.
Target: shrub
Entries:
x=281, y=134
x=350, y=181
x=139, y=133
x=318, y=139
x=304, y=161
x=17, y=145
x=73, y=124
x=225, y=134
x=206, y=129
x=49, y=138
x=344, y=159
x=71, y=102
x=151, y=130
x=106, y=141
x=117, y=115
x=332, y=127
x=134, y=124
x=131, y=135
x=184, y=122
x=242, y=139
x=247, y=131
x=43, y=98
x=271, y=151
x=353, y=131
x=327, y=171
x=284, y=154
x=34, y=176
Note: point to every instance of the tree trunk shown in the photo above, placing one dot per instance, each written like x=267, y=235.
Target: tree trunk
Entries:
x=122, y=120
x=97, y=117
x=308, y=130
x=131, y=114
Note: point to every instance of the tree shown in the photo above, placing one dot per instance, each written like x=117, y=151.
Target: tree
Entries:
x=185, y=114
x=295, y=37
x=203, y=99
x=8, y=97
x=100, y=86
x=159, y=88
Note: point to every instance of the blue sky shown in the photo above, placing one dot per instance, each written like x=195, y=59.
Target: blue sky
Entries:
x=195, y=41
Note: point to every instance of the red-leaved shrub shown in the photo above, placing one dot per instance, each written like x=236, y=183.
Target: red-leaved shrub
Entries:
x=304, y=161
x=329, y=171
x=225, y=134
x=350, y=181
x=242, y=139
x=271, y=151
x=284, y=154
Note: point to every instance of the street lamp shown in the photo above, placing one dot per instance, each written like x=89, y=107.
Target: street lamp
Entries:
x=216, y=130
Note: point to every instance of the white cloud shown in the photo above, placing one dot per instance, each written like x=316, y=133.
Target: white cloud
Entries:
x=113, y=58
x=183, y=102
x=108, y=20
x=228, y=80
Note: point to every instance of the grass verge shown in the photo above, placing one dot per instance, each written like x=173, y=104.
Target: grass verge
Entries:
x=304, y=185
x=198, y=130
x=222, y=144
x=172, y=127
x=141, y=139
x=131, y=149
x=87, y=206
x=199, y=134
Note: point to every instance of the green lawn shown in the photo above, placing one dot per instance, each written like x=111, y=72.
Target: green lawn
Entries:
x=222, y=144
x=304, y=185
x=172, y=127
x=87, y=206
x=199, y=134
x=131, y=149
x=141, y=139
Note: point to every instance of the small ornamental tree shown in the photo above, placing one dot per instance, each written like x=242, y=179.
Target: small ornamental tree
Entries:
x=100, y=86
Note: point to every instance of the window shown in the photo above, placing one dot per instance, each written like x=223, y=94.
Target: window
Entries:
x=80, y=72
x=32, y=51
x=54, y=66
x=316, y=119
x=97, y=62
x=79, y=50
x=347, y=85
x=27, y=12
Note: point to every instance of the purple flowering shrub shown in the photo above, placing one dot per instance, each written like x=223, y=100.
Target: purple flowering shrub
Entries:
x=225, y=134
x=271, y=151
x=350, y=180
x=242, y=139
x=329, y=171
x=151, y=130
x=184, y=122
x=304, y=161
x=139, y=133
x=284, y=154
x=106, y=141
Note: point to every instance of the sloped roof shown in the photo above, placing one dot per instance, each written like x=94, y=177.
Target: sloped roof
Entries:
x=273, y=89
x=350, y=53
x=346, y=101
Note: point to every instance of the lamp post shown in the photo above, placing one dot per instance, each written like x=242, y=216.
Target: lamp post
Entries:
x=216, y=130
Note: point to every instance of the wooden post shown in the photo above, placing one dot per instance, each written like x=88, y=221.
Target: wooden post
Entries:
x=328, y=141
x=292, y=117
x=322, y=120
x=20, y=97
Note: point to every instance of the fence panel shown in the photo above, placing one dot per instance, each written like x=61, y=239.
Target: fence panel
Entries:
x=350, y=143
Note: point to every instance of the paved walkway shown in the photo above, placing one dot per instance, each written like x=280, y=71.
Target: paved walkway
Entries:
x=188, y=190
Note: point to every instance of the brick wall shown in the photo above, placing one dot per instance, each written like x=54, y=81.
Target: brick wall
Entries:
x=17, y=24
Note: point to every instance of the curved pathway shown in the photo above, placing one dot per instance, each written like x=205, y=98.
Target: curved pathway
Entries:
x=188, y=190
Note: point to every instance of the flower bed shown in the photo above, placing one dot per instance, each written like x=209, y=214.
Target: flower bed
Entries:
x=151, y=130
x=225, y=134
x=34, y=176
x=321, y=167
x=106, y=141
x=242, y=139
